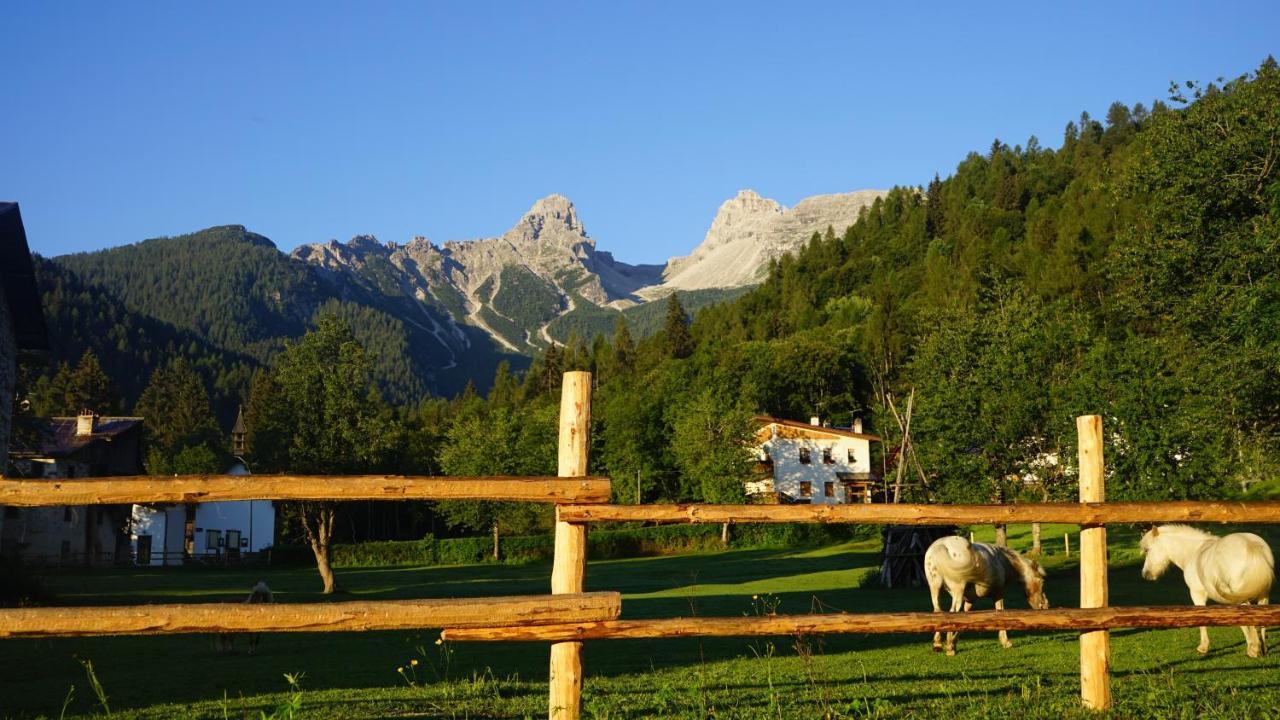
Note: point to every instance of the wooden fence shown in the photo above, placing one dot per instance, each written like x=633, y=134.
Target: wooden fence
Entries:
x=569, y=615
x=1093, y=619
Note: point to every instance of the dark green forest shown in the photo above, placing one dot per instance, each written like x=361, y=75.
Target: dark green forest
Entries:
x=1130, y=272
x=228, y=301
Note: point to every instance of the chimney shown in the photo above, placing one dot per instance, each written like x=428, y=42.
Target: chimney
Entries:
x=86, y=423
x=815, y=421
x=857, y=425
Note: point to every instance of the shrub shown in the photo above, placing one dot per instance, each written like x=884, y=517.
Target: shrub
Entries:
x=18, y=587
x=621, y=542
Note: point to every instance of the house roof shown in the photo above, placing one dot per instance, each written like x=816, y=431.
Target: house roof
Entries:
x=807, y=429
x=58, y=438
x=18, y=279
x=238, y=428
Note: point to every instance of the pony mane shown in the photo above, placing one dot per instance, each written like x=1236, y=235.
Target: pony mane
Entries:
x=1025, y=565
x=1175, y=531
x=1183, y=531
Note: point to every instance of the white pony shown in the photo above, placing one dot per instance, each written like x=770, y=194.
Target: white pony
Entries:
x=1238, y=568
x=978, y=570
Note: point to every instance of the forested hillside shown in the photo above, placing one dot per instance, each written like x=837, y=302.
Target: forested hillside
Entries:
x=83, y=317
x=234, y=291
x=1130, y=272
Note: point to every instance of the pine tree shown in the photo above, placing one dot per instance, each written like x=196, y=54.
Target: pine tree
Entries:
x=933, y=208
x=624, y=348
x=679, y=343
x=179, y=422
x=84, y=387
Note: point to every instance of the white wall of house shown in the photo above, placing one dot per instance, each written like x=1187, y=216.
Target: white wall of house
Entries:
x=253, y=521
x=250, y=524
x=164, y=525
x=848, y=456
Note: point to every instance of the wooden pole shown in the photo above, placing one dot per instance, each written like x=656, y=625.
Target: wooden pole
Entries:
x=1058, y=620
x=1264, y=511
x=1066, y=543
x=1174, y=511
x=356, y=616
x=1095, y=646
x=569, y=569
x=214, y=488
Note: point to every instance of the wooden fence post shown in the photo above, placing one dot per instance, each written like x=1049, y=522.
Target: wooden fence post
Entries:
x=1095, y=646
x=570, y=565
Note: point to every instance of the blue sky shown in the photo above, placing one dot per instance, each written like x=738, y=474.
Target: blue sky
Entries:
x=311, y=121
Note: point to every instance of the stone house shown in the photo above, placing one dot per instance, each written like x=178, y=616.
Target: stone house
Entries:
x=23, y=334
x=66, y=448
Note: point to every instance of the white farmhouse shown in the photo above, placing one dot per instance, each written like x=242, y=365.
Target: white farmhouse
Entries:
x=812, y=463
x=204, y=532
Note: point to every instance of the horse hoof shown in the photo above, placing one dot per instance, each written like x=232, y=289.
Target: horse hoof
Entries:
x=937, y=648
x=951, y=652
x=1006, y=644
x=1203, y=649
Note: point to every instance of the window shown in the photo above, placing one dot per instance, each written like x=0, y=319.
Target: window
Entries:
x=828, y=489
x=804, y=456
x=66, y=514
x=806, y=488
x=826, y=456
x=852, y=458
x=12, y=512
x=213, y=540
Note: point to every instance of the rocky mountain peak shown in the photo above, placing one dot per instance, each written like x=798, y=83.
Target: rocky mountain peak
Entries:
x=749, y=230
x=552, y=218
x=516, y=286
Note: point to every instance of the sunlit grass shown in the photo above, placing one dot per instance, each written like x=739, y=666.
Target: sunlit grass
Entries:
x=349, y=675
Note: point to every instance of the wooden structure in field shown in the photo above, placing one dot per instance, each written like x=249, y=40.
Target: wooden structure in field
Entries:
x=569, y=616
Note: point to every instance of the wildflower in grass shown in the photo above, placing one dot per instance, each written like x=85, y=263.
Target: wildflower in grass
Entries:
x=413, y=661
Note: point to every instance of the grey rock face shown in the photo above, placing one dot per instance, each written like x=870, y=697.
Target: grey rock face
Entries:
x=550, y=265
x=749, y=231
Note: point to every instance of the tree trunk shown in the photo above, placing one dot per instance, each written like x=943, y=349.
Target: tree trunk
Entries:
x=317, y=523
x=1002, y=535
x=496, y=548
x=724, y=535
x=326, y=570
x=1035, y=538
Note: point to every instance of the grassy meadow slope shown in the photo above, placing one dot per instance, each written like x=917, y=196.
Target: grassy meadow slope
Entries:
x=1156, y=673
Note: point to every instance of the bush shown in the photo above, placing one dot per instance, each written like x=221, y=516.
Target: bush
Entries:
x=18, y=587
x=625, y=542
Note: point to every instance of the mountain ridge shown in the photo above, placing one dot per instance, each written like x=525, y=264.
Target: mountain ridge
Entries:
x=435, y=316
x=557, y=267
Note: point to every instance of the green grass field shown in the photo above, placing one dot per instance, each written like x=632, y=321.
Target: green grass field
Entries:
x=346, y=676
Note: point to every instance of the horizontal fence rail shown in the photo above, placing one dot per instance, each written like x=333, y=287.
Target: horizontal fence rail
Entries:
x=1177, y=616
x=525, y=610
x=215, y=488
x=1267, y=511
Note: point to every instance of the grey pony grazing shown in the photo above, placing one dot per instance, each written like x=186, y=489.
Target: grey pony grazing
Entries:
x=978, y=570
x=259, y=594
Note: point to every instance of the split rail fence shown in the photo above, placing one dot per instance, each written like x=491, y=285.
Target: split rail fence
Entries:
x=569, y=615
